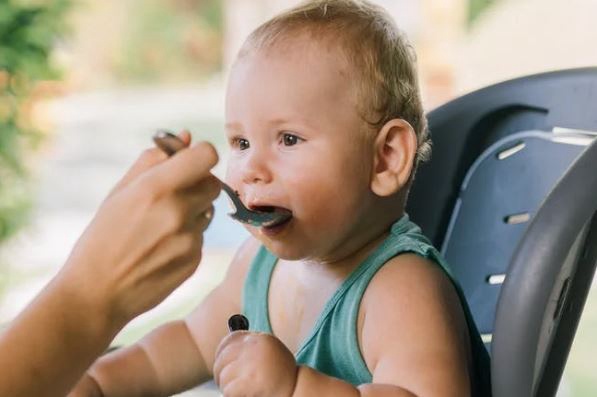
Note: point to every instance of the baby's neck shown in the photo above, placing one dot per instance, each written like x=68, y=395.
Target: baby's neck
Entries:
x=346, y=258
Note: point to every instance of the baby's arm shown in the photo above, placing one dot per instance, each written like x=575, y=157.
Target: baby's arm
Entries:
x=414, y=337
x=412, y=334
x=148, y=367
x=178, y=355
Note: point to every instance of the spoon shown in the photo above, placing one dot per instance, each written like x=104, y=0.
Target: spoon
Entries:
x=170, y=144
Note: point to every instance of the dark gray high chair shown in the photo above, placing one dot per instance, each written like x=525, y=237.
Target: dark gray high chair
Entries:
x=510, y=196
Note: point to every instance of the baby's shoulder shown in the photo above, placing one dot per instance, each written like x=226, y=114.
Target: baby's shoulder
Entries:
x=409, y=280
x=410, y=299
x=407, y=269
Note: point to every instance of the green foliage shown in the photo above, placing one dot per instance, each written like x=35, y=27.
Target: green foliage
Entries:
x=172, y=41
x=476, y=8
x=28, y=32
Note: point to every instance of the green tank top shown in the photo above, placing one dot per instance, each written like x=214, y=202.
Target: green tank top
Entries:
x=332, y=347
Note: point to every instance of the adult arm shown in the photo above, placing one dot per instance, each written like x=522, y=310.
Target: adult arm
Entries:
x=137, y=249
x=178, y=355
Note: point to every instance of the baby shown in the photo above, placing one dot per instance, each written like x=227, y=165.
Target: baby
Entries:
x=347, y=297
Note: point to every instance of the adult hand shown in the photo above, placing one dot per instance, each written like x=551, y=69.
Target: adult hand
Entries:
x=143, y=242
x=146, y=237
x=254, y=364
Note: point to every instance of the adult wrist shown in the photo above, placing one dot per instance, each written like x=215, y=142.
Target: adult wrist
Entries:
x=92, y=303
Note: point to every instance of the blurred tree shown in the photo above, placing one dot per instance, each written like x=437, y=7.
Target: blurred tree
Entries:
x=172, y=41
x=28, y=31
x=476, y=8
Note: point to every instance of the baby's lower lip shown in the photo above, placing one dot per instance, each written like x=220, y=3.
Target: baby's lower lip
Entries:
x=276, y=229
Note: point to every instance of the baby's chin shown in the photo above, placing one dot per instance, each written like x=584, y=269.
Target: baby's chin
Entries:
x=285, y=251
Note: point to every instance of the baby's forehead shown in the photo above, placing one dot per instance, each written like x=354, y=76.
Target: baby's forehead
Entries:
x=301, y=70
x=304, y=44
x=296, y=76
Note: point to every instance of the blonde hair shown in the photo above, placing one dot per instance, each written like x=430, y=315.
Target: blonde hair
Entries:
x=370, y=39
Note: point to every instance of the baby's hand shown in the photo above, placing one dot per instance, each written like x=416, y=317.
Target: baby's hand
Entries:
x=254, y=364
x=87, y=387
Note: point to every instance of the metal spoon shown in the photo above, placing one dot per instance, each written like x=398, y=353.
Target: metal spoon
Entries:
x=171, y=144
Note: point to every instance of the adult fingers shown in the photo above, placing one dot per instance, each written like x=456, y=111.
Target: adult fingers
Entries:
x=183, y=210
x=199, y=199
x=148, y=159
x=185, y=136
x=207, y=188
x=186, y=168
x=177, y=251
x=203, y=220
x=172, y=262
x=162, y=218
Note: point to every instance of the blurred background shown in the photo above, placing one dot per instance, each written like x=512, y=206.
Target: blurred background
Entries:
x=84, y=83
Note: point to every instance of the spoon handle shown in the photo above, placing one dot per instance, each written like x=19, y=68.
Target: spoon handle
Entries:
x=168, y=142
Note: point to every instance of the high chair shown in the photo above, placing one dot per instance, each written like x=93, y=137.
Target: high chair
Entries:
x=510, y=196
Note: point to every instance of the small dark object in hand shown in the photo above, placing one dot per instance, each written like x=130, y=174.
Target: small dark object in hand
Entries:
x=238, y=322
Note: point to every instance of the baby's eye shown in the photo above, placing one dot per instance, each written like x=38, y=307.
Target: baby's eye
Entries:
x=290, y=139
x=243, y=144
x=240, y=143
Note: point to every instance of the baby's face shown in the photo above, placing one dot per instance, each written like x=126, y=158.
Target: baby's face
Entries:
x=297, y=142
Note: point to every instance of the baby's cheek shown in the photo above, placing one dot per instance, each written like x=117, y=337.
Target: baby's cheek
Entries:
x=323, y=195
x=324, y=209
x=232, y=177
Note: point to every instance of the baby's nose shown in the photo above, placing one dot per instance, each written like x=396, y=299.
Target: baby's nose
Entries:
x=256, y=169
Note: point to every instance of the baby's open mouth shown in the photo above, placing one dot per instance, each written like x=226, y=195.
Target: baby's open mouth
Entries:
x=283, y=215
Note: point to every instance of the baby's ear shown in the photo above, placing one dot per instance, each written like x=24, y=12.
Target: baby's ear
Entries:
x=395, y=149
